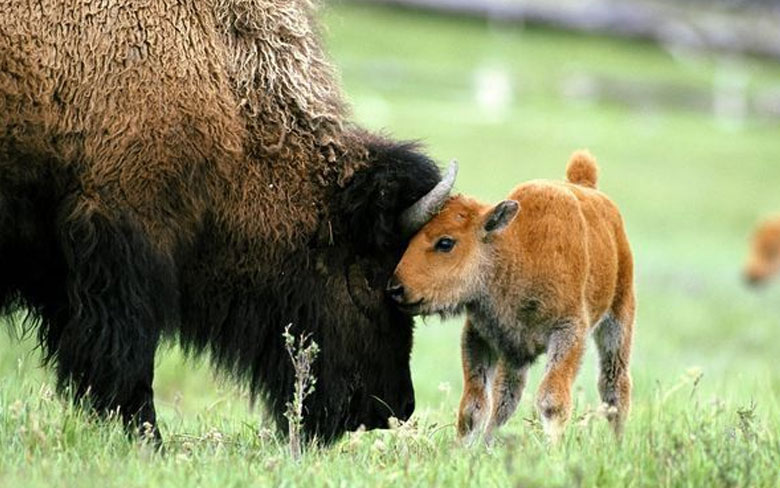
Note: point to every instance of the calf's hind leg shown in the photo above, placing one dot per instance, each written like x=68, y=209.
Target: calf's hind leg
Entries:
x=613, y=341
x=564, y=355
x=478, y=365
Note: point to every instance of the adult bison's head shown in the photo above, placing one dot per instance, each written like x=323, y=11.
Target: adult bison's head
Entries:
x=399, y=191
x=365, y=375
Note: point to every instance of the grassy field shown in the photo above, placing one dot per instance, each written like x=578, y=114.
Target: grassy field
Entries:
x=706, y=408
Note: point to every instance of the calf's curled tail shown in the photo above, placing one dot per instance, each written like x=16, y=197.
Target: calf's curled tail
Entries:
x=582, y=169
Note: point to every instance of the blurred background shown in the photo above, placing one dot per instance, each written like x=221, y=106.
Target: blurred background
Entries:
x=678, y=100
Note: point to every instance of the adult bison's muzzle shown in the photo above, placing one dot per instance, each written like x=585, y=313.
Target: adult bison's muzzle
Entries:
x=372, y=411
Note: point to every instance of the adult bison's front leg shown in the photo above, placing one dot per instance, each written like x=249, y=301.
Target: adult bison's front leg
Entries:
x=121, y=292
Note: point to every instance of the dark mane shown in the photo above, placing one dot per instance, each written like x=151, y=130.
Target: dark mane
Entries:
x=397, y=174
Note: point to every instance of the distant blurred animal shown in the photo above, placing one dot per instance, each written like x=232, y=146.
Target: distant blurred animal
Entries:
x=763, y=260
x=534, y=274
x=189, y=169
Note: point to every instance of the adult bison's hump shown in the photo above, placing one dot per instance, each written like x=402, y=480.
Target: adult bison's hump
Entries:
x=174, y=107
x=115, y=80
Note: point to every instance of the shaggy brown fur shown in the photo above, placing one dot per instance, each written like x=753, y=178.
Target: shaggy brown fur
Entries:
x=763, y=261
x=187, y=167
x=534, y=273
x=245, y=99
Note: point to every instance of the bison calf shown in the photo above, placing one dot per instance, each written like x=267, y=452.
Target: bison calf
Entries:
x=764, y=258
x=534, y=274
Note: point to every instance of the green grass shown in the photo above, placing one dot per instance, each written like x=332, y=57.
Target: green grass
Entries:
x=706, y=406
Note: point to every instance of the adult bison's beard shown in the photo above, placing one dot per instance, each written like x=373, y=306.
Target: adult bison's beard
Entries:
x=362, y=371
x=332, y=289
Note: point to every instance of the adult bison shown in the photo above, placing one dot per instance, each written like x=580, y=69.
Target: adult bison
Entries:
x=186, y=169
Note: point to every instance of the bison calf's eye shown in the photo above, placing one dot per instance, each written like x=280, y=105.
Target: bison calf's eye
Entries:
x=444, y=244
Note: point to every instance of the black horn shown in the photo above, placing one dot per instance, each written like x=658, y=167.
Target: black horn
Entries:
x=421, y=211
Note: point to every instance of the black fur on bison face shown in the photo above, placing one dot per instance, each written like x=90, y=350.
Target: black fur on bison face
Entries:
x=364, y=371
x=334, y=292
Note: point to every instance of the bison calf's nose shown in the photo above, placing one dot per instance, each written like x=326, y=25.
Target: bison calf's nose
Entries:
x=396, y=290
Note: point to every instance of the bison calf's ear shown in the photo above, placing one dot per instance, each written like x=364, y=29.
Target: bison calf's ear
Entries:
x=500, y=216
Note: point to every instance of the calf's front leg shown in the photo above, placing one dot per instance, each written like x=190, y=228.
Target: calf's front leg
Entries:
x=506, y=390
x=478, y=366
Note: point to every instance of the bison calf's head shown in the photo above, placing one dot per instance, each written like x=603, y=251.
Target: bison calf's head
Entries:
x=446, y=262
x=764, y=257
